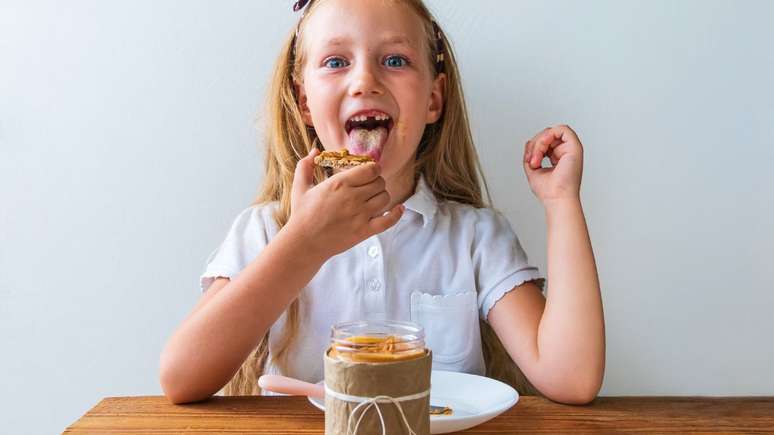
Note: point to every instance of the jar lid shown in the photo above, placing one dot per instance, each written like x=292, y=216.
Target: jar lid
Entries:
x=377, y=341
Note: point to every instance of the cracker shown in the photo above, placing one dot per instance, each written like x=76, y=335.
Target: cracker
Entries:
x=340, y=159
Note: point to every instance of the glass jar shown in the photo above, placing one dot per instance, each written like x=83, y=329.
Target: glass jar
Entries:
x=377, y=341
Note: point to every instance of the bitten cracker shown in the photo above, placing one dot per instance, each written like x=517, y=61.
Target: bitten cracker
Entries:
x=340, y=159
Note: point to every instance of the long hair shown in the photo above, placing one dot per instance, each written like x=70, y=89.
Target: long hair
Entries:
x=446, y=157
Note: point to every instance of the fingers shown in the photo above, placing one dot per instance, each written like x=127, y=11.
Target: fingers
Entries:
x=555, y=153
x=531, y=152
x=552, y=142
x=542, y=143
x=376, y=204
x=373, y=188
x=359, y=175
x=303, y=179
x=567, y=133
x=528, y=151
x=535, y=151
x=383, y=222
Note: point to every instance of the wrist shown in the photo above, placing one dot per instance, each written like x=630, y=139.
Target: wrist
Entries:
x=300, y=243
x=564, y=202
x=562, y=210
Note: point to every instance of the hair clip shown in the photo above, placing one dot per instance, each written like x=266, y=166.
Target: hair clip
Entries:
x=439, y=47
x=300, y=5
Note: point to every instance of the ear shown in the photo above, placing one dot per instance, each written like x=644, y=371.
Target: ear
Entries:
x=435, y=109
x=306, y=115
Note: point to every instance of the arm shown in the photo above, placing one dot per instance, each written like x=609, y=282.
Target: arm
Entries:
x=232, y=316
x=558, y=342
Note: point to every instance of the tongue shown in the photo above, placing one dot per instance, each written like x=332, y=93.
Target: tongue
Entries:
x=366, y=142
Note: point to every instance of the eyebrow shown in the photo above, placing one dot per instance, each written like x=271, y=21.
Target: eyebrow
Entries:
x=387, y=40
x=397, y=39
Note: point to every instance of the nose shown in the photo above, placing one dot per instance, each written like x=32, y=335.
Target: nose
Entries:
x=365, y=81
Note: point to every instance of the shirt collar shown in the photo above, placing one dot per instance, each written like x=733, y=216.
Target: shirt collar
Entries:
x=423, y=201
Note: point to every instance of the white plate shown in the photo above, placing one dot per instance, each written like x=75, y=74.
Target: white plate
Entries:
x=473, y=399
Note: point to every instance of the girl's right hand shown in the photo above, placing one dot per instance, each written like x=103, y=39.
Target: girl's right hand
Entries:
x=341, y=211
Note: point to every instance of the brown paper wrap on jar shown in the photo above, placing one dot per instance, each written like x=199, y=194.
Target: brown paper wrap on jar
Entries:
x=367, y=379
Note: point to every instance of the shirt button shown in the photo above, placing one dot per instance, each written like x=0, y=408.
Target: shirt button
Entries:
x=373, y=251
x=374, y=285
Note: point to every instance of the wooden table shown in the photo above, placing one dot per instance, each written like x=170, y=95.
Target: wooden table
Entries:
x=294, y=415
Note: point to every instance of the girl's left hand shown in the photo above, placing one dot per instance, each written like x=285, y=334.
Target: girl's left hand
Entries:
x=562, y=180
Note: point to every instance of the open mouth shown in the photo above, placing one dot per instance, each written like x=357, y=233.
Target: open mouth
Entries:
x=368, y=133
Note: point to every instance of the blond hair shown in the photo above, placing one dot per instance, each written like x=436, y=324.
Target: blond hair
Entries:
x=446, y=157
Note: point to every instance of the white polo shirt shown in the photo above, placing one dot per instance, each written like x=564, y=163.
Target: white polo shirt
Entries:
x=443, y=265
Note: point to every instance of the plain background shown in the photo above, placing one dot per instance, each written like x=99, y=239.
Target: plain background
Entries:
x=128, y=143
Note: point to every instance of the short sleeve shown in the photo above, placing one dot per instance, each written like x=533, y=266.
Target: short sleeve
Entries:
x=246, y=238
x=500, y=262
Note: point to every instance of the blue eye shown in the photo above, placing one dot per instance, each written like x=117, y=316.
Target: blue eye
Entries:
x=395, y=61
x=335, y=62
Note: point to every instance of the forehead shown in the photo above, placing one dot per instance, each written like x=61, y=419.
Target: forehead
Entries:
x=337, y=23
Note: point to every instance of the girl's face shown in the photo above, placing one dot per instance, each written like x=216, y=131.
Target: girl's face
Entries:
x=367, y=81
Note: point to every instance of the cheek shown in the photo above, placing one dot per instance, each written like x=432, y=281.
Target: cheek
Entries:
x=315, y=98
x=414, y=111
x=401, y=131
x=416, y=97
x=316, y=91
x=321, y=104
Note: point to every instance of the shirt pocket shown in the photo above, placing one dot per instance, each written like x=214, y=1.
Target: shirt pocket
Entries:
x=451, y=326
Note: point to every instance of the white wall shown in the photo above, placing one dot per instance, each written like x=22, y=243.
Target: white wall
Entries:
x=128, y=144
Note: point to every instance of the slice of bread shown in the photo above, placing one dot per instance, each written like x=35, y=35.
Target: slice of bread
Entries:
x=340, y=159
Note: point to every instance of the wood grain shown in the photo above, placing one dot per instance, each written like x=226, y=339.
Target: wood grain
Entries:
x=295, y=415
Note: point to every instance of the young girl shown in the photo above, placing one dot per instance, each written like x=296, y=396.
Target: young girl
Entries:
x=405, y=238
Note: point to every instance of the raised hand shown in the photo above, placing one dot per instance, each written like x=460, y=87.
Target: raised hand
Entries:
x=562, y=180
x=341, y=211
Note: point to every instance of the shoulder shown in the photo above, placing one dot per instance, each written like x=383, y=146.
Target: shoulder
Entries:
x=469, y=216
x=478, y=225
x=258, y=218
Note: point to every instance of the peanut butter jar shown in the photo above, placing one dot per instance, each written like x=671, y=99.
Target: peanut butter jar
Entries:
x=377, y=379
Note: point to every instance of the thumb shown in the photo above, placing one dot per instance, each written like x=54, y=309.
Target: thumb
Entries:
x=529, y=170
x=303, y=179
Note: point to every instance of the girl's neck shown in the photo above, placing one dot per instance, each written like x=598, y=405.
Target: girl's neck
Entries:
x=401, y=186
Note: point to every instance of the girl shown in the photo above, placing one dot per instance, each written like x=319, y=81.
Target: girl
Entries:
x=405, y=238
